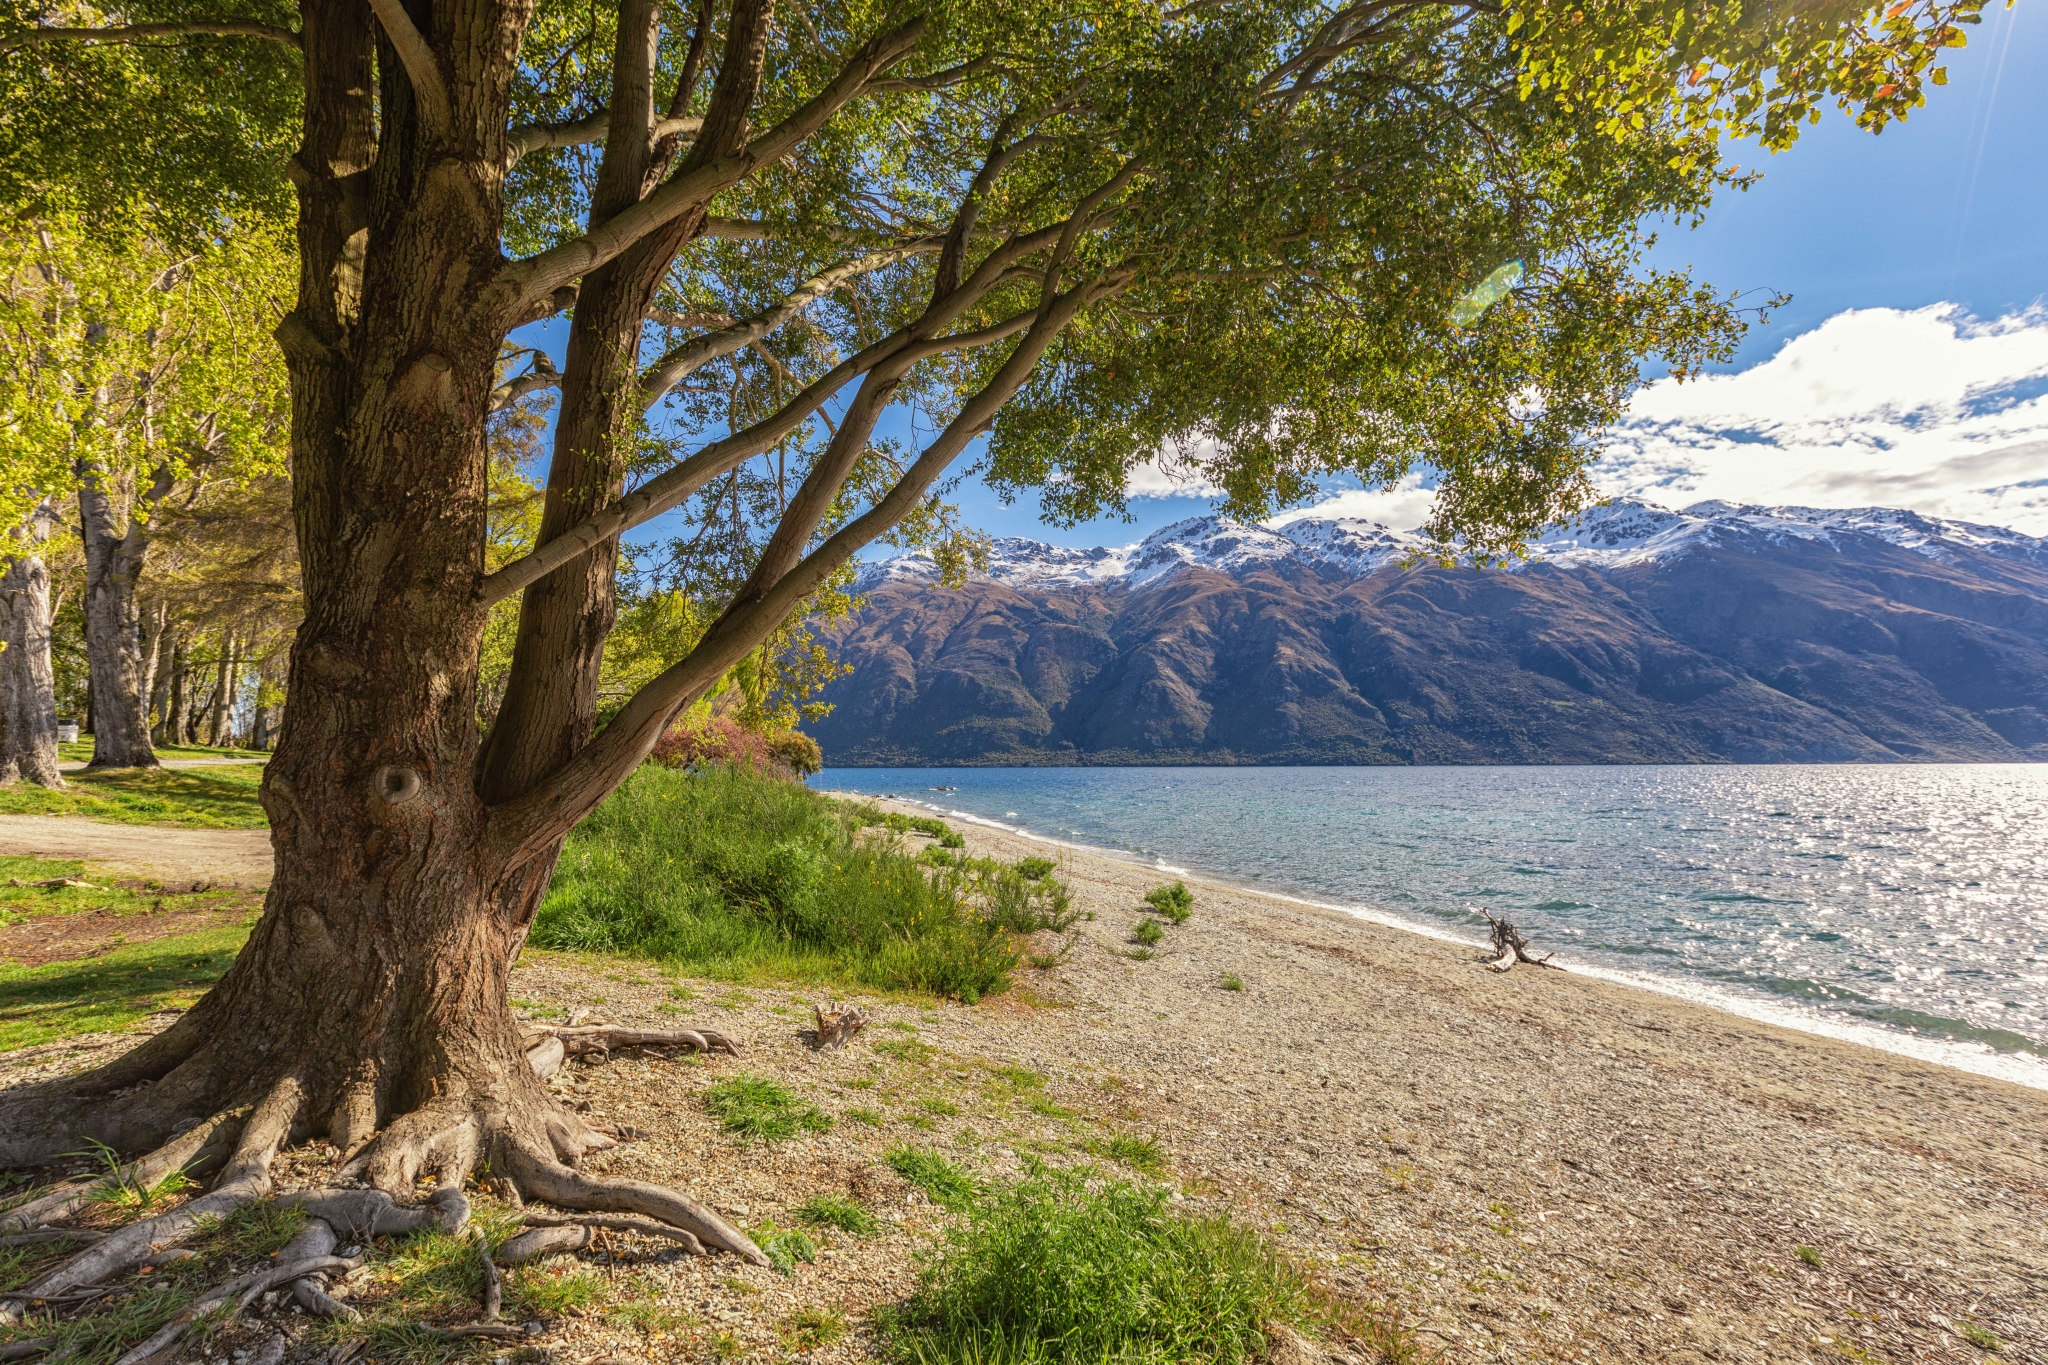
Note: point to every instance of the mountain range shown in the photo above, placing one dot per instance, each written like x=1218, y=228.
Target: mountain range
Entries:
x=1637, y=634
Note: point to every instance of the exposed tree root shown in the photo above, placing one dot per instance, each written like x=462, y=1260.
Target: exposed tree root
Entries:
x=197, y=1149
x=316, y=1239
x=535, y=1243
x=26, y=1347
x=243, y=1290
x=1509, y=947
x=611, y=1223
x=246, y=1178
x=568, y=1189
x=40, y=1235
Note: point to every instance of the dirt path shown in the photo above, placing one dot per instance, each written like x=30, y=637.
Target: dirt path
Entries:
x=223, y=857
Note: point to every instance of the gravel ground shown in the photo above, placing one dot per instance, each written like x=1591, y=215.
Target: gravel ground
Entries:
x=1534, y=1165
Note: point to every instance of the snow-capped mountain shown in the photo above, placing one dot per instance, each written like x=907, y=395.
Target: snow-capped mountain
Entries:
x=1635, y=634
x=1622, y=532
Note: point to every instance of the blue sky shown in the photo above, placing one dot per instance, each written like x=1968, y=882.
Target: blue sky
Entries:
x=1910, y=367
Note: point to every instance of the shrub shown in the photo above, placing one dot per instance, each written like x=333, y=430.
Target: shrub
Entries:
x=1174, y=902
x=1053, y=1271
x=754, y=1108
x=1232, y=982
x=705, y=741
x=725, y=873
x=1031, y=869
x=1808, y=1255
x=1148, y=932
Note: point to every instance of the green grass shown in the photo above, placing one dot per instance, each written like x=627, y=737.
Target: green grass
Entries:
x=745, y=878
x=907, y=1050
x=1174, y=902
x=870, y=1117
x=1143, y=1155
x=945, y=1184
x=836, y=1211
x=196, y=798
x=1808, y=1255
x=18, y=902
x=808, y=1329
x=1231, y=981
x=1981, y=1337
x=784, y=1247
x=113, y=990
x=80, y=751
x=1034, y=868
x=1147, y=933
x=756, y=1109
x=1055, y=1271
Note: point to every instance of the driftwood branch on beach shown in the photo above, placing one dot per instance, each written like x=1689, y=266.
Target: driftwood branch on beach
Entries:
x=1509, y=947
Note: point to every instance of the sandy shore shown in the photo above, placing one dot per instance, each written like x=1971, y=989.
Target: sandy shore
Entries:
x=1530, y=1166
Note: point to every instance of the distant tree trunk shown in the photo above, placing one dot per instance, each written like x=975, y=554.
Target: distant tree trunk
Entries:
x=222, y=680
x=87, y=728
x=165, y=695
x=28, y=690
x=116, y=544
x=154, y=625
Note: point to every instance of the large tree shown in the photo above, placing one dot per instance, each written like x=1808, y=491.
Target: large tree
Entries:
x=1241, y=233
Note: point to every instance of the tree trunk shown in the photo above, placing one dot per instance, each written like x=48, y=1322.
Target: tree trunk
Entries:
x=28, y=693
x=156, y=622
x=116, y=545
x=371, y=1001
x=222, y=680
x=168, y=693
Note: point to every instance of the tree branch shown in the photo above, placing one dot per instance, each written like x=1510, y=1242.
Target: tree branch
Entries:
x=422, y=68
x=695, y=188
x=700, y=351
x=541, y=374
x=135, y=33
x=528, y=824
x=542, y=137
x=938, y=80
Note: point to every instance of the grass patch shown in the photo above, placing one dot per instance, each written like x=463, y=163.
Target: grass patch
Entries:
x=22, y=895
x=1143, y=1155
x=868, y=1117
x=1981, y=1337
x=907, y=1050
x=944, y=1108
x=1808, y=1255
x=1053, y=1270
x=836, y=1211
x=784, y=1247
x=1231, y=981
x=113, y=990
x=1174, y=902
x=740, y=877
x=191, y=798
x=945, y=1184
x=1032, y=869
x=756, y=1109
x=807, y=1329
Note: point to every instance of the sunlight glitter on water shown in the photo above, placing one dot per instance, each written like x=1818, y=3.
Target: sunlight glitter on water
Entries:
x=1907, y=905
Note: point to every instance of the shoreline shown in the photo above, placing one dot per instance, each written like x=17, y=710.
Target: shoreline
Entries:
x=1977, y=1059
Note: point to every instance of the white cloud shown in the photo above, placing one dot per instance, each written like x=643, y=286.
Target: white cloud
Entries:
x=1405, y=506
x=1166, y=476
x=1929, y=410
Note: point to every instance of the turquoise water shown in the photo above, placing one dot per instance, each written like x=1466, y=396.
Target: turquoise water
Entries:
x=1906, y=906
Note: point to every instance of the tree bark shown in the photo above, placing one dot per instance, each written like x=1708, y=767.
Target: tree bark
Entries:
x=28, y=693
x=223, y=689
x=168, y=691
x=116, y=547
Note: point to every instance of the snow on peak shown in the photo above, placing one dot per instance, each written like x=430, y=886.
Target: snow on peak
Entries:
x=1624, y=531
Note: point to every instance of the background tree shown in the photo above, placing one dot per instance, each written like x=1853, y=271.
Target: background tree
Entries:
x=1237, y=231
x=127, y=369
x=28, y=703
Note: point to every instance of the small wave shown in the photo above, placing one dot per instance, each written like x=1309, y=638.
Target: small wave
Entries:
x=1563, y=905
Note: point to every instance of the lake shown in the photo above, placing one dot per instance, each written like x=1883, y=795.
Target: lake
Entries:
x=1902, y=906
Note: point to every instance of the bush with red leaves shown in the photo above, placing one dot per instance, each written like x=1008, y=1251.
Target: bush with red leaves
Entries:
x=696, y=743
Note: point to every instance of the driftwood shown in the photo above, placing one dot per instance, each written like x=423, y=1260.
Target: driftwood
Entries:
x=835, y=1028
x=1509, y=947
x=549, y=1045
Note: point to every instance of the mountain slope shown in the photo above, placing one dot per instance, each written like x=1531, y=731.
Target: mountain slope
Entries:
x=1640, y=635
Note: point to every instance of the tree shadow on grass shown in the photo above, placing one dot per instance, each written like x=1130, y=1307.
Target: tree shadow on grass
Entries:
x=112, y=990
